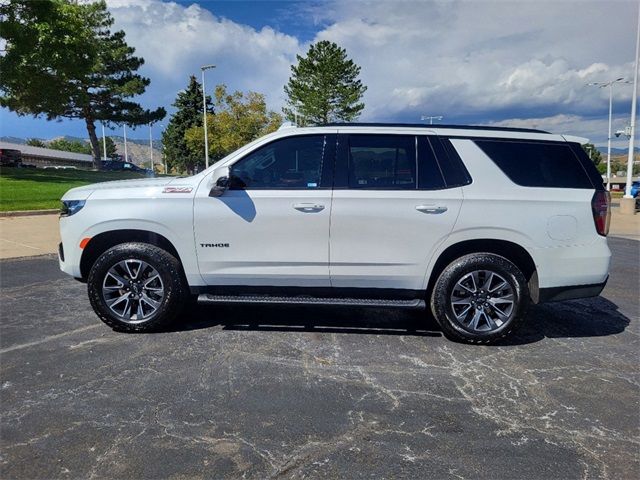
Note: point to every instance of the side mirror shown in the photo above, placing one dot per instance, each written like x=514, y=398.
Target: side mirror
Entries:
x=221, y=186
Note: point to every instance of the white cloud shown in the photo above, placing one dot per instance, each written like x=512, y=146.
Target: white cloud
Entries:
x=595, y=129
x=176, y=40
x=471, y=61
x=485, y=59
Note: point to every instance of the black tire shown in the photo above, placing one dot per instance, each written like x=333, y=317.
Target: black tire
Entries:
x=491, y=326
x=167, y=267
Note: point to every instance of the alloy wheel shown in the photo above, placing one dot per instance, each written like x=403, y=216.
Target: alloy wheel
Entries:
x=133, y=290
x=482, y=301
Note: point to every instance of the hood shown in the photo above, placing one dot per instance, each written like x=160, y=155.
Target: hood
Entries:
x=82, y=193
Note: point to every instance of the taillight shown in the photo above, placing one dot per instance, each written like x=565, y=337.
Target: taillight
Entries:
x=601, y=208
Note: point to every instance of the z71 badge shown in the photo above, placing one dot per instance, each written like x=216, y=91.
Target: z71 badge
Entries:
x=177, y=190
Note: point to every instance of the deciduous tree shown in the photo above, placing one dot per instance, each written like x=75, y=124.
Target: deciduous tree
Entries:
x=593, y=152
x=239, y=118
x=36, y=142
x=65, y=145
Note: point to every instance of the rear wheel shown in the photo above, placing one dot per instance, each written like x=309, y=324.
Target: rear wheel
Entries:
x=480, y=298
x=136, y=287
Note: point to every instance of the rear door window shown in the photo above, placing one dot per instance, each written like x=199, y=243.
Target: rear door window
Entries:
x=537, y=164
x=382, y=162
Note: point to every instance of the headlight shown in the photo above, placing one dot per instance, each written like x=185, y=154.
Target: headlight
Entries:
x=71, y=207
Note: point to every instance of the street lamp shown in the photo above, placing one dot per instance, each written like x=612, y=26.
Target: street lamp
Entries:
x=431, y=118
x=164, y=157
x=610, y=86
x=204, y=115
x=627, y=204
x=151, y=146
x=104, y=143
x=124, y=129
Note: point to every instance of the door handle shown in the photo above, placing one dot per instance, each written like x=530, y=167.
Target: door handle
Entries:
x=433, y=209
x=308, y=207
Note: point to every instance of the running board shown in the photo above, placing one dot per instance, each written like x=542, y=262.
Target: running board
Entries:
x=304, y=300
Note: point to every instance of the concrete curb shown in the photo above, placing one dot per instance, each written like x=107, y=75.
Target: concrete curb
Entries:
x=26, y=213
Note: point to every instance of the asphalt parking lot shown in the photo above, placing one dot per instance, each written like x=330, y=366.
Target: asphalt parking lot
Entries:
x=292, y=392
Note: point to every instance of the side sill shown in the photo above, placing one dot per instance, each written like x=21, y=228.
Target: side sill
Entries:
x=317, y=292
x=556, y=294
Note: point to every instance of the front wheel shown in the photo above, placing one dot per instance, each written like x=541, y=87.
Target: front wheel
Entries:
x=480, y=298
x=136, y=287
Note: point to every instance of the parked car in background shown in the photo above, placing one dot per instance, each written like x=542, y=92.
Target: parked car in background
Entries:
x=121, y=166
x=473, y=223
x=10, y=157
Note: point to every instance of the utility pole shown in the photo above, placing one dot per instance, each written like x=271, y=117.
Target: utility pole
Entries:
x=627, y=203
x=431, y=118
x=204, y=115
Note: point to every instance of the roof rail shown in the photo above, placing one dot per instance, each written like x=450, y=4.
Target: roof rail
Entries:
x=287, y=125
x=439, y=125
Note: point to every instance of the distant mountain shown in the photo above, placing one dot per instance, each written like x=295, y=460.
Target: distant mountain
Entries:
x=617, y=151
x=17, y=140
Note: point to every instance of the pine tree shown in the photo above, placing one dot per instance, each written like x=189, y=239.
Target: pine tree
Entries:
x=324, y=86
x=62, y=60
x=188, y=114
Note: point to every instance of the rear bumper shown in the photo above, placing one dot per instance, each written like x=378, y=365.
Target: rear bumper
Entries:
x=555, y=294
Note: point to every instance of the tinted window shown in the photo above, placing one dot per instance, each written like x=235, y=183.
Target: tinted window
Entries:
x=454, y=172
x=429, y=173
x=382, y=161
x=537, y=164
x=294, y=162
x=589, y=167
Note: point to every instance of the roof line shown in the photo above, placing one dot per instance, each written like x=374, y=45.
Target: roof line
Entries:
x=436, y=126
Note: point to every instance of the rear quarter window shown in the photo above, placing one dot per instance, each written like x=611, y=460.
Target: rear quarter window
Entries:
x=537, y=164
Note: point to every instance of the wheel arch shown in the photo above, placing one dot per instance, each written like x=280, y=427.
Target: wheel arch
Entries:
x=105, y=240
x=513, y=252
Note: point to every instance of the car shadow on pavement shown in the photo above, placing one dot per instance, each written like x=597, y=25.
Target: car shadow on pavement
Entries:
x=319, y=319
x=591, y=317
x=594, y=317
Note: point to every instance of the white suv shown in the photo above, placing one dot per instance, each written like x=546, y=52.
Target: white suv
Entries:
x=477, y=222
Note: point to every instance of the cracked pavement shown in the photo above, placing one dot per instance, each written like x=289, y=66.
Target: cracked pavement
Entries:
x=316, y=392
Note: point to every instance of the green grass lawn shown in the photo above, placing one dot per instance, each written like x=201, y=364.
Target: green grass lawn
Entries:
x=35, y=189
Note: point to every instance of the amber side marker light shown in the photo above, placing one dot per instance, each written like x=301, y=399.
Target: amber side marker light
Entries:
x=84, y=242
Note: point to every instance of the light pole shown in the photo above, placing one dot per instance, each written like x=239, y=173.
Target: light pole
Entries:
x=126, y=156
x=431, y=118
x=204, y=115
x=104, y=143
x=151, y=146
x=610, y=86
x=627, y=204
x=164, y=158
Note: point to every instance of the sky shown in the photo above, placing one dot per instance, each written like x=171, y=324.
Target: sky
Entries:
x=508, y=63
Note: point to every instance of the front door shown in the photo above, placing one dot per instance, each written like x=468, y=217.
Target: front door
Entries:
x=272, y=226
x=391, y=209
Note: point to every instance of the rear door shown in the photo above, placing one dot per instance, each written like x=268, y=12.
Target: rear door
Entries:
x=391, y=208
